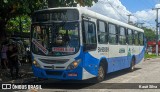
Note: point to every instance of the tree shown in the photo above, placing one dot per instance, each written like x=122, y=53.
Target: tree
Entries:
x=13, y=24
x=149, y=34
x=12, y=8
x=70, y=3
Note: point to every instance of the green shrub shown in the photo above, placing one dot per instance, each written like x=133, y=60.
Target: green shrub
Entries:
x=150, y=55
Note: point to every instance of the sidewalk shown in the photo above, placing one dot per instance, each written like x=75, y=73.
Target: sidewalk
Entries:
x=25, y=72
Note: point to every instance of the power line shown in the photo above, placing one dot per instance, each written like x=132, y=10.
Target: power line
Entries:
x=122, y=17
x=143, y=20
x=117, y=12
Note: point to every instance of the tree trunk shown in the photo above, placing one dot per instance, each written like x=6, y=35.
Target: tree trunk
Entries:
x=3, y=34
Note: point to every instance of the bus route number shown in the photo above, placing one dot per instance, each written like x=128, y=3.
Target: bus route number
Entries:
x=103, y=49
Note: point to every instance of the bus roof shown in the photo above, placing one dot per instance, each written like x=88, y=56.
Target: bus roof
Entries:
x=99, y=16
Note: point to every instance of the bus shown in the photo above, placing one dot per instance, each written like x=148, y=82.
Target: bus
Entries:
x=70, y=43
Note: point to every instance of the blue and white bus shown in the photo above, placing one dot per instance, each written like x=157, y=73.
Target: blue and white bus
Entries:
x=70, y=43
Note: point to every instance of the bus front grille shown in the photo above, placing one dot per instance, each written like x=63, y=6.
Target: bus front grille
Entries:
x=46, y=61
x=56, y=73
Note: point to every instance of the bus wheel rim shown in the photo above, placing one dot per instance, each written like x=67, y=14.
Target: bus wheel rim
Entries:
x=101, y=73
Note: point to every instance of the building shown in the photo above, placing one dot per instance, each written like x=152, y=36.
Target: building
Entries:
x=151, y=46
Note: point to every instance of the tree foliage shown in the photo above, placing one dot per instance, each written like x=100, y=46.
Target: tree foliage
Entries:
x=12, y=8
x=13, y=24
x=149, y=34
x=70, y=3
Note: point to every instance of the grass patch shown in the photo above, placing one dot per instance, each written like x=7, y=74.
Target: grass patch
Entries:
x=150, y=56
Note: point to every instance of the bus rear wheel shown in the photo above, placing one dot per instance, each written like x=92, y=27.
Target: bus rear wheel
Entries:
x=132, y=66
x=101, y=73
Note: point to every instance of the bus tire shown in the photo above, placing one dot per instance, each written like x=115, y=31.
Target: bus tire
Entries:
x=132, y=65
x=101, y=72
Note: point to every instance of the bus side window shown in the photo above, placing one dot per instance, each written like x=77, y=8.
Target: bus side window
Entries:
x=136, y=38
x=130, y=37
x=122, y=36
x=102, y=32
x=133, y=37
x=141, y=38
x=89, y=35
x=113, y=34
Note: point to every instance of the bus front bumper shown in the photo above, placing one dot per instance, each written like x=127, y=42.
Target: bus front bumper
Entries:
x=75, y=74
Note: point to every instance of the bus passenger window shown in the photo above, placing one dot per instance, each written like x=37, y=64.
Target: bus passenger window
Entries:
x=89, y=35
x=122, y=36
x=112, y=34
x=130, y=37
x=141, y=38
x=136, y=38
x=102, y=32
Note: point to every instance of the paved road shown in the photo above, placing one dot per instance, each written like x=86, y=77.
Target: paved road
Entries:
x=145, y=72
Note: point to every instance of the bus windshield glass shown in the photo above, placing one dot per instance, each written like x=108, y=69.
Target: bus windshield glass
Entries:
x=55, y=39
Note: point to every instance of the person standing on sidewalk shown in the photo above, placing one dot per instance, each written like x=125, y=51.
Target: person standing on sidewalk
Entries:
x=12, y=55
x=4, y=61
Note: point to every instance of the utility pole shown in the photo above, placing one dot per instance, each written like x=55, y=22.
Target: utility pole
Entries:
x=129, y=16
x=141, y=25
x=156, y=29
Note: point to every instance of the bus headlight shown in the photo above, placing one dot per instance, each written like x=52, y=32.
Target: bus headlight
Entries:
x=36, y=63
x=74, y=64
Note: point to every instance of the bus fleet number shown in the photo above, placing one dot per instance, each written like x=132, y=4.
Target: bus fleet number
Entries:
x=103, y=49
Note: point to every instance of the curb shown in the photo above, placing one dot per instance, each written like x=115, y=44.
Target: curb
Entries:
x=151, y=58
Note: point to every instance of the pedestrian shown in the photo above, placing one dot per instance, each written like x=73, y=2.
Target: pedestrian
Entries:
x=29, y=55
x=4, y=61
x=12, y=55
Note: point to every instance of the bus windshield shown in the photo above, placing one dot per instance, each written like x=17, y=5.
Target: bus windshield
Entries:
x=55, y=39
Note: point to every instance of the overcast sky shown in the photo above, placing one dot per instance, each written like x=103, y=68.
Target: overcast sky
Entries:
x=119, y=9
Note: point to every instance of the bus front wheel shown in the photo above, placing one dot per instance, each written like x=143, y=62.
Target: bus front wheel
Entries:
x=101, y=73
